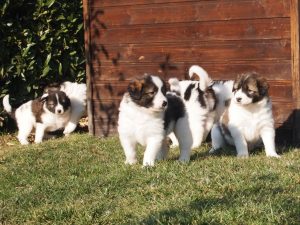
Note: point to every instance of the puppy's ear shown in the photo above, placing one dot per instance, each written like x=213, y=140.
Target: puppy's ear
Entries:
x=135, y=88
x=263, y=85
x=237, y=82
x=44, y=97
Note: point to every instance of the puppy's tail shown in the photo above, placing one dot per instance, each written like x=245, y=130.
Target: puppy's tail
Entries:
x=204, y=80
x=7, y=107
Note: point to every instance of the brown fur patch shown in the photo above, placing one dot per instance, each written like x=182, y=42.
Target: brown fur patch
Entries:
x=37, y=109
x=195, y=77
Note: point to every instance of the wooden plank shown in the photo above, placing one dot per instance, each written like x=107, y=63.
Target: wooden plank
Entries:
x=190, y=12
x=295, y=39
x=118, y=3
x=276, y=70
x=276, y=28
x=198, y=52
x=87, y=38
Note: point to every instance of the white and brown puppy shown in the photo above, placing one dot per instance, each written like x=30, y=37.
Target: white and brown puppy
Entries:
x=248, y=119
x=147, y=114
x=47, y=113
x=77, y=95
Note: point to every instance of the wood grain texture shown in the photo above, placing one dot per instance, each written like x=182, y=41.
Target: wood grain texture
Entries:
x=89, y=66
x=191, y=12
x=255, y=50
x=127, y=38
x=276, y=70
x=274, y=28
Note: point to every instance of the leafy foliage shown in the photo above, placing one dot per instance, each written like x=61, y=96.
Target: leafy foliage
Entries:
x=41, y=41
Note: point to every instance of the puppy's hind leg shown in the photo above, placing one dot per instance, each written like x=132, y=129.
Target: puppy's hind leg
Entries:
x=185, y=139
x=217, y=139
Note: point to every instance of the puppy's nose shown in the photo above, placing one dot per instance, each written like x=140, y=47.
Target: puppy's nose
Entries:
x=238, y=99
x=59, y=111
x=165, y=103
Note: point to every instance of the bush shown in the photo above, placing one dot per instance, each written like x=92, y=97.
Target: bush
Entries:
x=41, y=41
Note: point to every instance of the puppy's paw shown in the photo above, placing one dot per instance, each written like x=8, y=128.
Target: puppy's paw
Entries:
x=148, y=163
x=131, y=161
x=274, y=155
x=243, y=155
x=24, y=142
x=184, y=159
x=67, y=134
x=212, y=151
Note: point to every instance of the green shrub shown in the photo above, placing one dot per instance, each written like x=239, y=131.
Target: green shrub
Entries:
x=41, y=41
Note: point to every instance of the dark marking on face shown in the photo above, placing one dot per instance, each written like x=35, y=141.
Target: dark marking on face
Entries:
x=253, y=86
x=143, y=90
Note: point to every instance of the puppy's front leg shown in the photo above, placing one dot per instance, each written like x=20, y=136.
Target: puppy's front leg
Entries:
x=268, y=137
x=154, y=145
x=129, y=149
x=39, y=132
x=239, y=142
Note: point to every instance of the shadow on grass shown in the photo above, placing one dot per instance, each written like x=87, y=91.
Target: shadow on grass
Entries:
x=286, y=211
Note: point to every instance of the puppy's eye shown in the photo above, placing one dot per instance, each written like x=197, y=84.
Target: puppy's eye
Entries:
x=151, y=93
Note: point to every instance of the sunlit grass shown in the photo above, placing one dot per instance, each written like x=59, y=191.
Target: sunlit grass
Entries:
x=83, y=180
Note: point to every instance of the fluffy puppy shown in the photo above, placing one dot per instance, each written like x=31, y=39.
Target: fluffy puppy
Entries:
x=77, y=95
x=248, y=120
x=146, y=115
x=200, y=103
x=48, y=113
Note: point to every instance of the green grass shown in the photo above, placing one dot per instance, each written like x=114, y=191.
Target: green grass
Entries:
x=83, y=180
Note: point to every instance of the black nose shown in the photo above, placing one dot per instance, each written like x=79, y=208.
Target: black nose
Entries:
x=238, y=99
x=165, y=103
x=59, y=111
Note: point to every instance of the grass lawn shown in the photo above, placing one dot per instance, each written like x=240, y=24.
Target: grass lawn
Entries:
x=83, y=180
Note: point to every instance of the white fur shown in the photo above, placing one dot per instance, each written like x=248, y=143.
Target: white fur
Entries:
x=249, y=123
x=78, y=96
x=6, y=105
x=223, y=91
x=205, y=80
x=145, y=126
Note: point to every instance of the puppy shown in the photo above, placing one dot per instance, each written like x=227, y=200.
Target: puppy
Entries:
x=146, y=115
x=50, y=112
x=77, y=94
x=200, y=103
x=248, y=118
